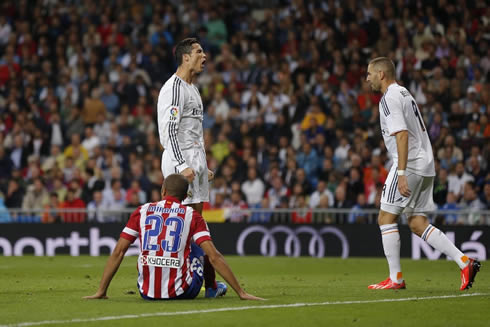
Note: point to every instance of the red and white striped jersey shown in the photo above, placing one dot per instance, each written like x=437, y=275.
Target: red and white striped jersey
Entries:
x=166, y=230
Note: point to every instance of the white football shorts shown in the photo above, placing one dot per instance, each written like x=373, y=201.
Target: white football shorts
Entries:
x=420, y=200
x=196, y=159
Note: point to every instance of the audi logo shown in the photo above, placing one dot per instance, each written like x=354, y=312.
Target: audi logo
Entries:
x=292, y=245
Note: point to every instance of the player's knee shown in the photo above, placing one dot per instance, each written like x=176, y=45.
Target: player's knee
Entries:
x=417, y=224
x=385, y=218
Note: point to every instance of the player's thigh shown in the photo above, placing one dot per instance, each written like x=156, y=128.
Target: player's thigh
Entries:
x=390, y=196
x=424, y=201
x=197, y=267
x=168, y=165
x=199, y=187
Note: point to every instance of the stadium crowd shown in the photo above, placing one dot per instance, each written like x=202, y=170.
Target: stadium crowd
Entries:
x=289, y=120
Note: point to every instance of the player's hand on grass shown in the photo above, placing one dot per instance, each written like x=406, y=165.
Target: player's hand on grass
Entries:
x=210, y=175
x=403, y=186
x=189, y=174
x=96, y=296
x=246, y=296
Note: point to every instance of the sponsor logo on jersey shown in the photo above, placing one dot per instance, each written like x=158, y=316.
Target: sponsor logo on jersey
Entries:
x=404, y=93
x=164, y=262
x=158, y=209
x=197, y=112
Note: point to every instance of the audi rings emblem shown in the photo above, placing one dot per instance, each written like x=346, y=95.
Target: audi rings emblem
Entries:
x=292, y=245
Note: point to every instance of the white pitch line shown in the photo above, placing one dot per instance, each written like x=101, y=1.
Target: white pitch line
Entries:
x=252, y=307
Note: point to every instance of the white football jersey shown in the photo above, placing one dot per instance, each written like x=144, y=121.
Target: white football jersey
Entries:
x=180, y=116
x=398, y=111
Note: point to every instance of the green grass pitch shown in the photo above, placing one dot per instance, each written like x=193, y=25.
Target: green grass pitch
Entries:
x=37, y=289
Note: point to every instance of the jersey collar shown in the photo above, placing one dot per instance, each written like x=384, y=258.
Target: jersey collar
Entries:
x=171, y=198
x=394, y=83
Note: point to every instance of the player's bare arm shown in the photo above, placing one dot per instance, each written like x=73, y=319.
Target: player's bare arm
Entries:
x=111, y=268
x=222, y=267
x=402, y=148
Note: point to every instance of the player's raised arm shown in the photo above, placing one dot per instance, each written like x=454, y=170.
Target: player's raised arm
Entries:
x=219, y=263
x=111, y=268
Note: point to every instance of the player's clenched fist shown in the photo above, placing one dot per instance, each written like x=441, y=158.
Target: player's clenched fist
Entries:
x=189, y=174
x=210, y=175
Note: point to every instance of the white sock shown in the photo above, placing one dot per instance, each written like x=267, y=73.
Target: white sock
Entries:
x=391, y=245
x=439, y=241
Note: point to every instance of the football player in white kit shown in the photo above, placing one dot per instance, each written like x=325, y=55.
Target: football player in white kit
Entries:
x=180, y=116
x=409, y=185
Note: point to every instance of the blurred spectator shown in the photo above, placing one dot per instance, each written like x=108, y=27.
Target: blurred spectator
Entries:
x=135, y=189
x=476, y=171
x=109, y=193
x=91, y=141
x=341, y=202
x=308, y=160
x=35, y=198
x=220, y=148
x=321, y=191
x=75, y=148
x=51, y=210
x=341, y=153
x=301, y=178
x=5, y=30
x=458, y=179
x=276, y=192
x=302, y=214
x=234, y=208
x=6, y=164
x=472, y=203
x=19, y=153
x=357, y=215
x=96, y=208
x=297, y=191
x=92, y=107
x=354, y=184
x=115, y=206
x=14, y=195
x=4, y=213
x=253, y=188
x=451, y=205
x=450, y=151
x=59, y=188
x=441, y=187
x=262, y=217
x=321, y=215
x=313, y=121
x=110, y=100
x=485, y=197
x=70, y=207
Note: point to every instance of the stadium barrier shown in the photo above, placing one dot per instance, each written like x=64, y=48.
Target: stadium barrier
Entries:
x=316, y=240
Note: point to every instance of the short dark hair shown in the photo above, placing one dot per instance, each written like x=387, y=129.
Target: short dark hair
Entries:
x=184, y=47
x=176, y=185
x=385, y=65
